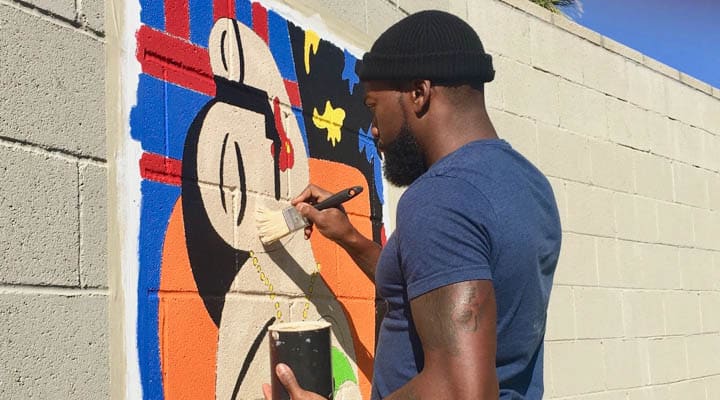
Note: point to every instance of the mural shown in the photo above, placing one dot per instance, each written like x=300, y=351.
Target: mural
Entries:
x=239, y=108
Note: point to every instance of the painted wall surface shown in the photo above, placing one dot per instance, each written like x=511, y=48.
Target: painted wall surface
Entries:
x=239, y=108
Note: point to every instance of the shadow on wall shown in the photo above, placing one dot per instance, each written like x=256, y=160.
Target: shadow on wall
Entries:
x=239, y=108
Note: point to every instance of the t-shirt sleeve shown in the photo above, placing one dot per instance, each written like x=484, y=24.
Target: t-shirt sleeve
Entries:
x=444, y=234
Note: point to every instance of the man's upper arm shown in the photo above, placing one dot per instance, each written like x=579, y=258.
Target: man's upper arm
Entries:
x=457, y=328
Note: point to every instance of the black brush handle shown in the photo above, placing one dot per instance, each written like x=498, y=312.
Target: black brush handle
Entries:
x=339, y=198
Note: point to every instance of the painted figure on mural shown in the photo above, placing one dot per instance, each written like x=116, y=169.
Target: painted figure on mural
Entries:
x=468, y=270
x=240, y=153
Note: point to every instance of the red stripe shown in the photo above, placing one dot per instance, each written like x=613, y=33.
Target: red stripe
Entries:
x=293, y=92
x=158, y=168
x=175, y=60
x=177, y=18
x=260, y=21
x=223, y=9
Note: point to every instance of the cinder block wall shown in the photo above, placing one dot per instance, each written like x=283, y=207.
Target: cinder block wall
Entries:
x=53, y=287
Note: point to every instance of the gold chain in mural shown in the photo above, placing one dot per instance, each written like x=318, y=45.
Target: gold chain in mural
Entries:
x=313, y=277
x=269, y=286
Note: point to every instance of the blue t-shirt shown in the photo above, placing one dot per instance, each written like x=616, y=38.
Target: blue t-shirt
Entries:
x=482, y=212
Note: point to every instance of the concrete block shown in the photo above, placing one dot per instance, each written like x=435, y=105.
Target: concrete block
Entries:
x=520, y=132
x=609, y=266
x=653, y=176
x=667, y=358
x=612, y=166
x=606, y=72
x=530, y=92
x=93, y=225
x=54, y=346
x=625, y=363
x=351, y=13
x=694, y=389
x=590, y=210
x=511, y=39
x=532, y=9
x=92, y=12
x=558, y=186
x=61, y=8
x=650, y=393
x=703, y=353
x=598, y=313
x=713, y=181
x=555, y=50
x=689, y=144
x=711, y=149
x=635, y=217
x=623, y=50
x=576, y=104
x=413, y=6
x=685, y=103
x=675, y=224
x=709, y=306
x=660, y=267
x=658, y=102
x=707, y=228
x=689, y=185
x=698, y=271
x=561, y=314
x=61, y=104
x=563, y=154
x=712, y=387
x=573, y=373
x=381, y=15
x=639, y=84
x=682, y=313
x=627, y=124
x=38, y=219
x=643, y=313
x=711, y=115
x=661, y=68
x=577, y=265
x=662, y=138
x=695, y=83
x=571, y=26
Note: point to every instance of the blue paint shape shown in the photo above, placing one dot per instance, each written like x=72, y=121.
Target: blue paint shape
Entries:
x=279, y=44
x=201, y=21
x=348, y=72
x=158, y=201
x=301, y=123
x=367, y=144
x=152, y=14
x=182, y=107
x=147, y=118
x=243, y=12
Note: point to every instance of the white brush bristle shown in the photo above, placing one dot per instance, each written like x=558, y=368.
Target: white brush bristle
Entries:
x=271, y=224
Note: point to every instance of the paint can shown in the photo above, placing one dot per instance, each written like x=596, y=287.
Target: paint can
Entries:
x=305, y=347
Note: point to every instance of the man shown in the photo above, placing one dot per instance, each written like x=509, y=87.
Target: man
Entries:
x=468, y=270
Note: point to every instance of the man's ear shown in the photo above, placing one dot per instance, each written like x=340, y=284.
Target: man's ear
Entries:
x=420, y=96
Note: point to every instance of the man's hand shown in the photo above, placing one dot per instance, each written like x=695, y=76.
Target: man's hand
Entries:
x=287, y=378
x=332, y=222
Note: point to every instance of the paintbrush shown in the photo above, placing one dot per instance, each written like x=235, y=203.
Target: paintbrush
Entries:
x=274, y=224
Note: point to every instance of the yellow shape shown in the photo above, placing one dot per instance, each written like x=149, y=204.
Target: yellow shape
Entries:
x=312, y=42
x=332, y=120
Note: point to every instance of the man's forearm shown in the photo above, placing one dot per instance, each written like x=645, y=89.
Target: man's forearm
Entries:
x=363, y=251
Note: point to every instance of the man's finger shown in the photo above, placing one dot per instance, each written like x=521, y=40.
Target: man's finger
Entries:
x=307, y=211
x=267, y=391
x=287, y=378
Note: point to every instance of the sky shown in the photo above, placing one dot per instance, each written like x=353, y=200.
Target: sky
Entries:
x=684, y=34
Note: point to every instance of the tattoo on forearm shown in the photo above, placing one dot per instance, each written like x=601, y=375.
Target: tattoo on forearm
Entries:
x=467, y=312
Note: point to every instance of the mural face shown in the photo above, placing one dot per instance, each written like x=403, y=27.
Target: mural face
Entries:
x=238, y=108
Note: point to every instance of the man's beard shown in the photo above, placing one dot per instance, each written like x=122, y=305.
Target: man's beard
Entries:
x=404, y=161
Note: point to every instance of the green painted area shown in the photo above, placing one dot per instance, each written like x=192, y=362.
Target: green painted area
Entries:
x=341, y=369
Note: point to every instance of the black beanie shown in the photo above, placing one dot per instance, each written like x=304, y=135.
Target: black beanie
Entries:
x=431, y=45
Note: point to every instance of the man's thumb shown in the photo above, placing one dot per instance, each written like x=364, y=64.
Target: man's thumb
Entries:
x=307, y=211
x=287, y=378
